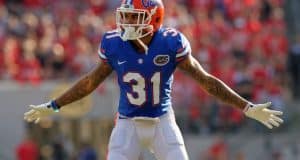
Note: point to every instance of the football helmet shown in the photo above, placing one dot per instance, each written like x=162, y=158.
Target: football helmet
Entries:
x=147, y=14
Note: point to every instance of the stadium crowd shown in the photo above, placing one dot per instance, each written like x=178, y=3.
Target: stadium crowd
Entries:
x=242, y=42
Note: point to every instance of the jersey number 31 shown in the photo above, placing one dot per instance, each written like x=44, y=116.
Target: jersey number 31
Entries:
x=139, y=88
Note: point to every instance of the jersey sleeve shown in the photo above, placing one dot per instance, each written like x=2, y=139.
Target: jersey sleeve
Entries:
x=105, y=50
x=181, y=47
x=102, y=50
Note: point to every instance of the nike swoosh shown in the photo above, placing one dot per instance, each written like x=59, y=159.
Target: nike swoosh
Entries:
x=119, y=63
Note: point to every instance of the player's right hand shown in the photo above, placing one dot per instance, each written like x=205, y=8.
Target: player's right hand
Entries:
x=36, y=112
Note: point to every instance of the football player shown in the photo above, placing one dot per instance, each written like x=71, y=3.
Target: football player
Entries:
x=144, y=55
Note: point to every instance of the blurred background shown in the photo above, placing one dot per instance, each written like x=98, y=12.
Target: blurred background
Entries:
x=252, y=45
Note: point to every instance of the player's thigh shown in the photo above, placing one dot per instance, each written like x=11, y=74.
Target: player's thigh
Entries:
x=123, y=144
x=169, y=143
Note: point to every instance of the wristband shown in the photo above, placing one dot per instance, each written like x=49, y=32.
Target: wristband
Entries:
x=249, y=105
x=54, y=106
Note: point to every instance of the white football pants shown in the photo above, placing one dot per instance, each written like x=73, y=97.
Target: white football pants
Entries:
x=160, y=135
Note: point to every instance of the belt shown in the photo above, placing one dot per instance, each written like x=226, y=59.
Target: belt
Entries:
x=123, y=117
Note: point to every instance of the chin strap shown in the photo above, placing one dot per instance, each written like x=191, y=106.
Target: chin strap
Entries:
x=143, y=45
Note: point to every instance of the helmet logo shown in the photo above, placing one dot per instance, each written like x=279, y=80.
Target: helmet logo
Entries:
x=148, y=3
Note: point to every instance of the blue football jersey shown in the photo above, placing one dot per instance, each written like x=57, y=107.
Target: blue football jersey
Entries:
x=145, y=80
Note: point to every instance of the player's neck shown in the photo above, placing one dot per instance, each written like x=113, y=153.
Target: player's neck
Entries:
x=146, y=40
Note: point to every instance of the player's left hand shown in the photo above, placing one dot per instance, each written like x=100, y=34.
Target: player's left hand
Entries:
x=261, y=113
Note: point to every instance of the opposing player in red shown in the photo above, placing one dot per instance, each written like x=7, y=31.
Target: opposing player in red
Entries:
x=144, y=55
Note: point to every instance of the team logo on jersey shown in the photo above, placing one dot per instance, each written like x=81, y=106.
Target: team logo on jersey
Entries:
x=161, y=60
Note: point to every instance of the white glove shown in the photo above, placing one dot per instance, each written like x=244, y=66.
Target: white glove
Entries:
x=261, y=113
x=36, y=112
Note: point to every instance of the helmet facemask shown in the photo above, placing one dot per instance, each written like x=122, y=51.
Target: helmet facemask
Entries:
x=138, y=29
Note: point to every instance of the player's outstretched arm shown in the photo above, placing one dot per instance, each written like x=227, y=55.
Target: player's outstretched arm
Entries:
x=80, y=89
x=85, y=85
x=219, y=89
